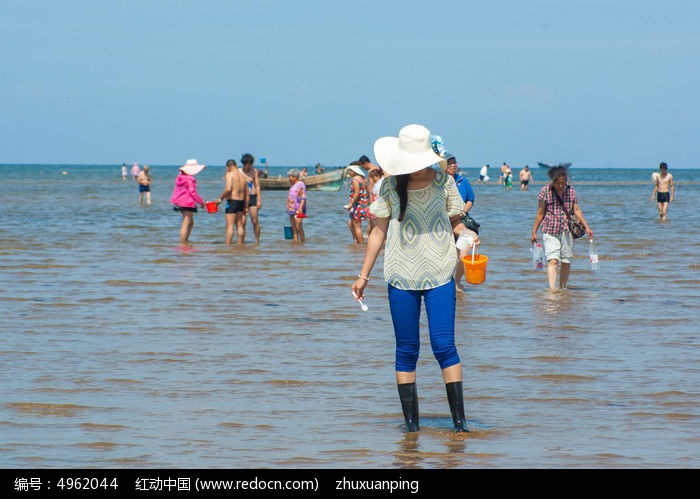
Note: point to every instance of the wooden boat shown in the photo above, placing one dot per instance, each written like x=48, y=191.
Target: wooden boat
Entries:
x=545, y=165
x=327, y=181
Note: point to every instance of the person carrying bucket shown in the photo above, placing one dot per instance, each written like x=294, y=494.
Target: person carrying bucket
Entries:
x=467, y=194
x=296, y=205
x=413, y=212
x=185, y=197
x=236, y=195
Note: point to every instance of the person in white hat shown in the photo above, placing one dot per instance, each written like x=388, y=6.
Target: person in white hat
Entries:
x=416, y=213
x=358, y=204
x=185, y=197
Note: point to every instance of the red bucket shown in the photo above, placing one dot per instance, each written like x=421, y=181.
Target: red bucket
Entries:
x=212, y=207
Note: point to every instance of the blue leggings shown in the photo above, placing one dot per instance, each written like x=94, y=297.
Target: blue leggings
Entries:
x=405, y=308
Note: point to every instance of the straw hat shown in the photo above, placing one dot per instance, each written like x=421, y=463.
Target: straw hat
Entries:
x=357, y=169
x=409, y=152
x=192, y=167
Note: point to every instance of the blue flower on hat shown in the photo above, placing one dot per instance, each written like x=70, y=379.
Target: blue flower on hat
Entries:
x=438, y=146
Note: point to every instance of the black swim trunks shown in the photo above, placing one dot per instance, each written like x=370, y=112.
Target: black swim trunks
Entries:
x=235, y=206
x=252, y=200
x=185, y=208
x=663, y=197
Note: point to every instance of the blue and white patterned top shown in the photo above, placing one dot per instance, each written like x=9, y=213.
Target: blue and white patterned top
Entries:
x=420, y=250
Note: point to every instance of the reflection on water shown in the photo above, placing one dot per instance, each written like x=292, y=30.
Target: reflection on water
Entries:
x=408, y=455
x=554, y=302
x=432, y=449
x=124, y=349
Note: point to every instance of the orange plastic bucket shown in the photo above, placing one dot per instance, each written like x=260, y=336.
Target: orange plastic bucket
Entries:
x=475, y=272
x=212, y=207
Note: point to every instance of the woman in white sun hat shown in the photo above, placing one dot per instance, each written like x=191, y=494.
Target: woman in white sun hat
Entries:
x=358, y=204
x=185, y=197
x=416, y=213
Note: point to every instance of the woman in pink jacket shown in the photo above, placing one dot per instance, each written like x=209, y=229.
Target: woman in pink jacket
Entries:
x=185, y=197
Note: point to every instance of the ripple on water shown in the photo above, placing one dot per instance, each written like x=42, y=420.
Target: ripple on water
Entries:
x=45, y=409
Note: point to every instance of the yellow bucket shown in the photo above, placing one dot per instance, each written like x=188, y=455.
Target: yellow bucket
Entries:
x=475, y=272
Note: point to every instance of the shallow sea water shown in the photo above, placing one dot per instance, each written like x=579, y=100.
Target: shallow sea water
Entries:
x=123, y=349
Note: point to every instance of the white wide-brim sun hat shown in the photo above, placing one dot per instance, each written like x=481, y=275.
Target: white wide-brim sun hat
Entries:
x=192, y=167
x=409, y=152
x=357, y=170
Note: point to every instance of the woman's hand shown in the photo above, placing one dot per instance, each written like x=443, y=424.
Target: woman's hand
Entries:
x=358, y=288
x=474, y=235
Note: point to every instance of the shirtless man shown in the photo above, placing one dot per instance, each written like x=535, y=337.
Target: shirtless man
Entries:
x=144, y=180
x=525, y=177
x=254, y=195
x=236, y=196
x=504, y=168
x=367, y=166
x=663, y=190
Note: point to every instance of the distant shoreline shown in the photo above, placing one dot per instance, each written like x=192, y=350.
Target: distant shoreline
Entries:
x=622, y=177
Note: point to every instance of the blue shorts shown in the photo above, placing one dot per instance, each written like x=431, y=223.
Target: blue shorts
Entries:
x=405, y=306
x=144, y=188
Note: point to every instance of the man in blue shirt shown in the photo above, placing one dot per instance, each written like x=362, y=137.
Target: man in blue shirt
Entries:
x=467, y=193
x=463, y=185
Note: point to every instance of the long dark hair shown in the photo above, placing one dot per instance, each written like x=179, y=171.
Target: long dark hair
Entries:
x=402, y=191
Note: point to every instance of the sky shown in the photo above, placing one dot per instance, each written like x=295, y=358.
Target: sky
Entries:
x=598, y=83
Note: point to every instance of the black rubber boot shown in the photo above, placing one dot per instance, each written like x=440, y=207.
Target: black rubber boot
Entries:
x=409, y=404
x=456, y=399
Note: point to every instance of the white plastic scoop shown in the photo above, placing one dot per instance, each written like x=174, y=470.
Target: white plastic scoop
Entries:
x=362, y=304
